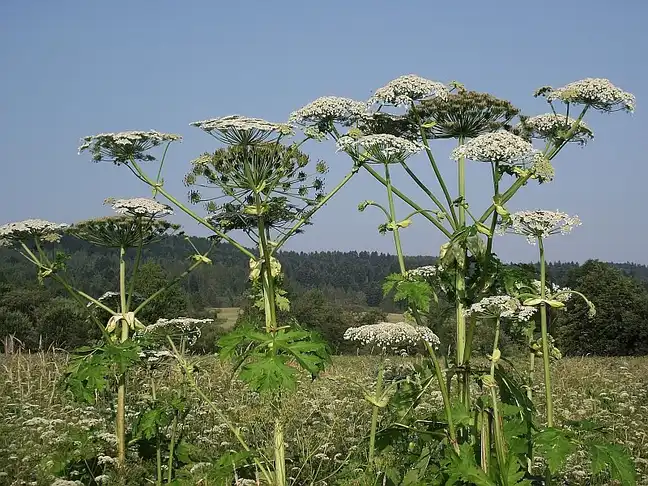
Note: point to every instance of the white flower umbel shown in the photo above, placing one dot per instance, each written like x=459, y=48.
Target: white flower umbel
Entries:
x=392, y=336
x=539, y=224
x=553, y=291
x=500, y=306
x=425, y=272
x=29, y=228
x=139, y=206
x=550, y=125
x=234, y=129
x=328, y=109
x=124, y=147
x=381, y=148
x=187, y=327
x=406, y=89
x=598, y=93
x=501, y=147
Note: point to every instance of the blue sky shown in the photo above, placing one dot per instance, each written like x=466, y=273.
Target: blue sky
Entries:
x=72, y=68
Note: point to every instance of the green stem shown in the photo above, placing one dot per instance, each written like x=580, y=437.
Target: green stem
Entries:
x=408, y=201
x=435, y=167
x=374, y=416
x=427, y=191
x=316, y=208
x=159, y=188
x=392, y=218
x=267, y=278
x=447, y=406
x=131, y=288
x=545, y=336
x=174, y=430
x=121, y=390
x=495, y=347
x=485, y=446
x=280, y=453
x=500, y=444
x=460, y=287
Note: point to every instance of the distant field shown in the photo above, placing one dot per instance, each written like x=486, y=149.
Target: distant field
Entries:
x=228, y=314
x=393, y=317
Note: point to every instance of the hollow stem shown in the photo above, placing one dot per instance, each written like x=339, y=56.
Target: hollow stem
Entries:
x=374, y=416
x=392, y=218
x=121, y=389
x=545, y=336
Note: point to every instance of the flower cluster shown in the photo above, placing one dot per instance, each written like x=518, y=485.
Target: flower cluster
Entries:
x=392, y=336
x=598, y=93
x=243, y=130
x=539, y=224
x=122, y=231
x=382, y=147
x=29, y=228
x=500, y=306
x=124, y=147
x=187, y=327
x=139, y=206
x=501, y=147
x=425, y=272
x=328, y=109
x=406, y=89
x=554, y=125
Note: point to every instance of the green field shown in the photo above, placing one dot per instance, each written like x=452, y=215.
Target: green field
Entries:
x=228, y=314
x=41, y=429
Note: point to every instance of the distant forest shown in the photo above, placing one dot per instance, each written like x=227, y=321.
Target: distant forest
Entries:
x=333, y=281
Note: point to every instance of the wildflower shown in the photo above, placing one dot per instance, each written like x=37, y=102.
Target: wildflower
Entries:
x=238, y=129
x=406, y=89
x=553, y=126
x=539, y=224
x=542, y=168
x=328, y=109
x=464, y=114
x=30, y=228
x=499, y=147
x=382, y=148
x=500, y=306
x=139, y=206
x=598, y=93
x=125, y=147
x=122, y=231
x=425, y=272
x=187, y=327
x=387, y=335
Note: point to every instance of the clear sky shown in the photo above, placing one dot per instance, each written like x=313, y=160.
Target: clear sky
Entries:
x=72, y=68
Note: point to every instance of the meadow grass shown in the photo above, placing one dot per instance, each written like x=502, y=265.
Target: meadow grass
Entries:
x=43, y=433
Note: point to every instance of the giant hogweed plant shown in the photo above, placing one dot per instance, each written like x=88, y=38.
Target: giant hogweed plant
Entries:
x=268, y=189
x=491, y=432
x=105, y=366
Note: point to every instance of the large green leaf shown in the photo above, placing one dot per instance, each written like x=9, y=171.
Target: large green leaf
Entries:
x=616, y=460
x=554, y=445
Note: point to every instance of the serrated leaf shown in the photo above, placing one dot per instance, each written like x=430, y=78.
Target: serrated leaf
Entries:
x=553, y=444
x=268, y=374
x=616, y=459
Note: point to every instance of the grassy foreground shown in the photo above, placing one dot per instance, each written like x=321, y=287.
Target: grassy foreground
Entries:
x=43, y=434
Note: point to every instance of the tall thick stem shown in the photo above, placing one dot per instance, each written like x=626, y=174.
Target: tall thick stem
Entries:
x=495, y=347
x=267, y=279
x=392, y=217
x=545, y=336
x=279, y=453
x=121, y=390
x=460, y=287
x=374, y=416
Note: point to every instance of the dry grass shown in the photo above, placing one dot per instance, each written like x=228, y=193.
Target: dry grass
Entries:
x=326, y=420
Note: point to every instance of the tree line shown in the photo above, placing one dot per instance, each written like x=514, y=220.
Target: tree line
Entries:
x=329, y=291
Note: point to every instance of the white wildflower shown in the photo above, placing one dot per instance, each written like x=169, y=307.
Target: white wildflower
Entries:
x=552, y=124
x=552, y=291
x=539, y=224
x=30, y=228
x=124, y=147
x=187, y=327
x=65, y=482
x=406, y=89
x=103, y=460
x=239, y=122
x=328, y=109
x=502, y=147
x=500, y=306
x=425, y=272
x=382, y=147
x=139, y=206
x=599, y=93
x=392, y=336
